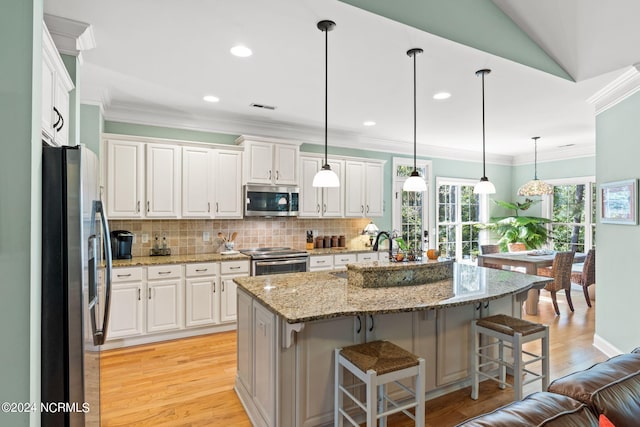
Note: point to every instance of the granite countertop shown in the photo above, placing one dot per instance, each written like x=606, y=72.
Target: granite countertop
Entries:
x=176, y=259
x=338, y=250
x=304, y=297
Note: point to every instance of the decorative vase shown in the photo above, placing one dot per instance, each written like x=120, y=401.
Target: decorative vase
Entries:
x=433, y=254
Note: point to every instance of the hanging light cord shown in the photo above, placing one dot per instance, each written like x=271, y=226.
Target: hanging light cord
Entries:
x=535, y=157
x=484, y=172
x=414, y=113
x=326, y=92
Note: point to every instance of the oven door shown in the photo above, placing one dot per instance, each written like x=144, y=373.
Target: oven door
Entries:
x=279, y=266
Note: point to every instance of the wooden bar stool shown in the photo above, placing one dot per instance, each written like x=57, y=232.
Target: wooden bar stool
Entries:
x=514, y=332
x=376, y=364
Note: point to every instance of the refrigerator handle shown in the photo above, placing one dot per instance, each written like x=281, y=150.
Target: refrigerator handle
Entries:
x=100, y=335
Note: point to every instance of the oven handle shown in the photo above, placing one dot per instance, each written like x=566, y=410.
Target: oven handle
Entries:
x=282, y=262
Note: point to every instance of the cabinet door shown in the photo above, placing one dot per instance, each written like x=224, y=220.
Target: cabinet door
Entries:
x=310, y=196
x=286, y=164
x=333, y=198
x=164, y=305
x=48, y=87
x=374, y=189
x=453, y=343
x=227, y=172
x=260, y=159
x=202, y=301
x=163, y=181
x=315, y=346
x=197, y=183
x=125, y=317
x=368, y=257
x=61, y=102
x=264, y=391
x=244, y=340
x=124, y=179
x=354, y=185
x=228, y=296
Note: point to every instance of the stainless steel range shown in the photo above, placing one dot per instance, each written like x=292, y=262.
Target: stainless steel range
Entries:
x=277, y=260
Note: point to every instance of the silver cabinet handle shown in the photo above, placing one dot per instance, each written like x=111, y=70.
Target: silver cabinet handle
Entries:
x=269, y=173
x=208, y=206
x=138, y=207
x=199, y=270
x=371, y=328
x=222, y=286
x=138, y=294
x=124, y=275
x=234, y=268
x=344, y=259
x=214, y=287
x=359, y=325
x=320, y=262
x=217, y=207
x=362, y=208
x=318, y=208
x=164, y=272
x=148, y=206
x=324, y=208
x=367, y=208
x=149, y=293
x=277, y=175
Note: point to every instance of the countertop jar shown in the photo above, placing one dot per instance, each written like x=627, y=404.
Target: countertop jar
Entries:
x=342, y=241
x=334, y=241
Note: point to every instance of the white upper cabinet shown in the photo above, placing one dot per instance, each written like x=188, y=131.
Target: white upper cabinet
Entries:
x=163, y=181
x=268, y=162
x=197, y=182
x=320, y=202
x=227, y=172
x=364, y=188
x=56, y=85
x=125, y=172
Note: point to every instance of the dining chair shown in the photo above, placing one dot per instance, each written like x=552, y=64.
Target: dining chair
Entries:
x=561, y=274
x=491, y=249
x=587, y=276
x=516, y=247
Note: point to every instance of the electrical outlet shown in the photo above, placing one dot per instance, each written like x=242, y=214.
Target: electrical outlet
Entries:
x=135, y=238
x=205, y=236
x=145, y=238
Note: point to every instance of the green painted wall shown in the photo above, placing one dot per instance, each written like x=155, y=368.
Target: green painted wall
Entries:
x=618, y=292
x=20, y=191
x=168, y=133
x=476, y=23
x=91, y=127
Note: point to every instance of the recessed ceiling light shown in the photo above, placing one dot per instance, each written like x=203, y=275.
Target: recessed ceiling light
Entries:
x=442, y=95
x=241, y=51
x=369, y=123
x=211, y=98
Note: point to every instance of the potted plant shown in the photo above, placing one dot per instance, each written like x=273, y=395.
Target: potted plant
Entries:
x=530, y=230
x=403, y=249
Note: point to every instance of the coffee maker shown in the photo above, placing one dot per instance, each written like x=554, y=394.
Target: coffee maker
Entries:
x=121, y=241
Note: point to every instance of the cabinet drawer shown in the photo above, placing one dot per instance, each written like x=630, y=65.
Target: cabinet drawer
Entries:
x=204, y=269
x=169, y=271
x=343, y=259
x=366, y=257
x=234, y=267
x=321, y=261
x=127, y=274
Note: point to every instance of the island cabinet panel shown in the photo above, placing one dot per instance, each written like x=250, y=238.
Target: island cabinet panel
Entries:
x=453, y=343
x=314, y=352
x=425, y=344
x=245, y=341
x=264, y=323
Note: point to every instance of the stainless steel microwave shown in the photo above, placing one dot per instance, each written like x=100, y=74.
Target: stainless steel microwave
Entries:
x=267, y=200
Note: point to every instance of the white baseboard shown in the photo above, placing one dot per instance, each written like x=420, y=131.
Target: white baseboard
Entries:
x=605, y=346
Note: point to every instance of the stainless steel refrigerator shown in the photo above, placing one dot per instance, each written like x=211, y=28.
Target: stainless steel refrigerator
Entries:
x=76, y=286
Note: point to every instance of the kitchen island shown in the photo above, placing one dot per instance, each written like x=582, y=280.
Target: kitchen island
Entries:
x=289, y=325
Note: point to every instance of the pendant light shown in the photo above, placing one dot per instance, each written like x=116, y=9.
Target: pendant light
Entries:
x=535, y=187
x=325, y=177
x=484, y=186
x=415, y=182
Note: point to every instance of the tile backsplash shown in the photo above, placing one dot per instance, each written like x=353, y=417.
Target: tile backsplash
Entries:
x=185, y=237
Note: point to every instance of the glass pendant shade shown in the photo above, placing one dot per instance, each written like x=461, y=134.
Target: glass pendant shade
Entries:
x=484, y=186
x=535, y=187
x=414, y=183
x=326, y=178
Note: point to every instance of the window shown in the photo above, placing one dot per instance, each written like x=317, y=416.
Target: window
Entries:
x=459, y=210
x=409, y=207
x=572, y=210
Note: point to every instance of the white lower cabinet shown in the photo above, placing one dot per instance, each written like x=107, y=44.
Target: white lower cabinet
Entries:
x=228, y=294
x=264, y=344
x=202, y=290
x=340, y=261
x=245, y=341
x=164, y=305
x=321, y=262
x=127, y=308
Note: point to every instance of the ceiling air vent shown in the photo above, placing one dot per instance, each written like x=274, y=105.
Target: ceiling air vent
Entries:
x=566, y=145
x=263, y=106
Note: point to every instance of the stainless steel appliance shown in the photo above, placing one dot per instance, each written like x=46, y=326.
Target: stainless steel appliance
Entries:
x=267, y=200
x=121, y=241
x=76, y=286
x=277, y=260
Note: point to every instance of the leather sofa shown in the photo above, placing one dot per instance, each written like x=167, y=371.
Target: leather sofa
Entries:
x=610, y=388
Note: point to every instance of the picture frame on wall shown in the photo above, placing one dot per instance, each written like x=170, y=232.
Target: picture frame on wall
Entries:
x=619, y=202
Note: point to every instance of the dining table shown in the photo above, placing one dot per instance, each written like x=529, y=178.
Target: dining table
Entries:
x=530, y=261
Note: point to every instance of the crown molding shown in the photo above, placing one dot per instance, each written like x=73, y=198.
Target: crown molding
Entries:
x=616, y=91
x=71, y=37
x=557, y=154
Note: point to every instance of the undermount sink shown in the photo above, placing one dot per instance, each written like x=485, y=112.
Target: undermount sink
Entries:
x=339, y=274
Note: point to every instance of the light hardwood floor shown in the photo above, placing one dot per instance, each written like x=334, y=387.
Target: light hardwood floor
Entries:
x=189, y=382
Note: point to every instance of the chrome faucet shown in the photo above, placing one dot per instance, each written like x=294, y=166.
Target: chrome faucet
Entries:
x=388, y=236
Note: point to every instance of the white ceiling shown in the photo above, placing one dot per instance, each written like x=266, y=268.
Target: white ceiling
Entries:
x=156, y=59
